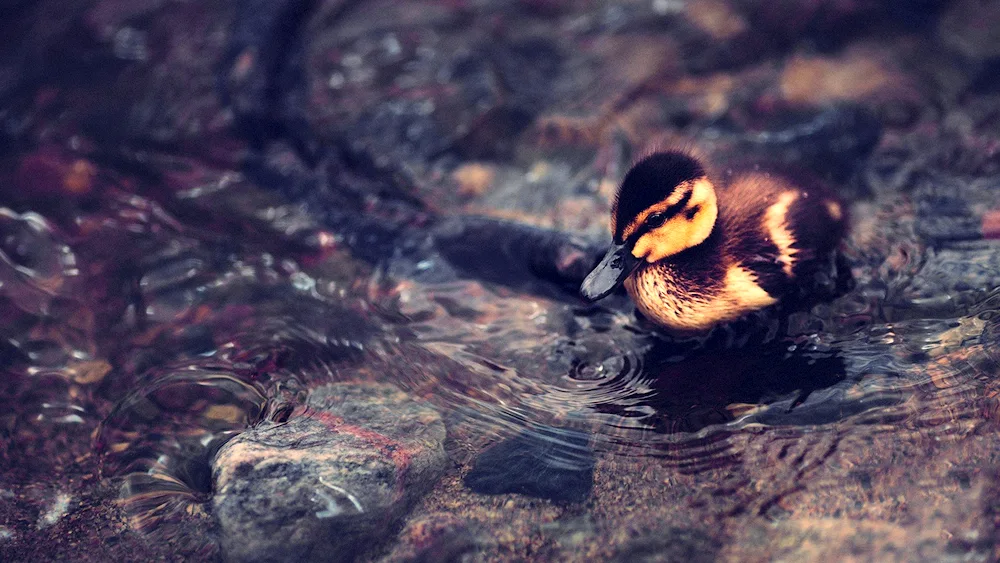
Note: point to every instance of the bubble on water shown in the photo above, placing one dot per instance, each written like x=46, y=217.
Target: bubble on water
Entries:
x=158, y=441
x=35, y=265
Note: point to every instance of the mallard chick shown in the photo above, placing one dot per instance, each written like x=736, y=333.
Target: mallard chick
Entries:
x=694, y=253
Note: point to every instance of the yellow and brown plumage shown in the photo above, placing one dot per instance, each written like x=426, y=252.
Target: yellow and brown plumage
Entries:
x=694, y=252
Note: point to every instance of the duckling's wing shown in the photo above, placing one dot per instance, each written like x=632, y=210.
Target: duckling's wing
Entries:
x=817, y=221
x=778, y=229
x=768, y=271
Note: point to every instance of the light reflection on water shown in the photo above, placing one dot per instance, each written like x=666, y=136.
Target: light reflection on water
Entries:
x=843, y=363
x=225, y=340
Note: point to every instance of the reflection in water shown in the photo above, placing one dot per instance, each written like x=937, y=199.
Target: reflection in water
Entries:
x=213, y=341
x=209, y=341
x=636, y=393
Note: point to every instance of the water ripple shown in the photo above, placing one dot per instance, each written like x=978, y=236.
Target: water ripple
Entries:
x=844, y=364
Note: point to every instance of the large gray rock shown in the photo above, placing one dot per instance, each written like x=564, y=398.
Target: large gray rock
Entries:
x=326, y=484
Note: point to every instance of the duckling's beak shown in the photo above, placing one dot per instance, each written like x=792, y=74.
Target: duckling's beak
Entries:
x=616, y=265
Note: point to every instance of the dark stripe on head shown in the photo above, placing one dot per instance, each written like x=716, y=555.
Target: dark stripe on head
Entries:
x=681, y=203
x=667, y=213
x=652, y=180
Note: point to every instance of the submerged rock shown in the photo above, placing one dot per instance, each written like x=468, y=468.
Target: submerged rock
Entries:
x=329, y=482
x=557, y=465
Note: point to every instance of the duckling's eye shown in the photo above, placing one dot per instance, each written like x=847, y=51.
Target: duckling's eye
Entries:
x=656, y=219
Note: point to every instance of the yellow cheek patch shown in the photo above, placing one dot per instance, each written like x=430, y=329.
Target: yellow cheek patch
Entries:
x=776, y=224
x=671, y=200
x=681, y=231
x=674, y=236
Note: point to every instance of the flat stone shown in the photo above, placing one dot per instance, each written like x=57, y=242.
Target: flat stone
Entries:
x=556, y=464
x=328, y=483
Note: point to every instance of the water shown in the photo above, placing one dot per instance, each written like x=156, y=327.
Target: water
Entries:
x=222, y=335
x=214, y=335
x=159, y=299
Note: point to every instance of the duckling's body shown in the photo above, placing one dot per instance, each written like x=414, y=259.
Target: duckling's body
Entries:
x=694, y=253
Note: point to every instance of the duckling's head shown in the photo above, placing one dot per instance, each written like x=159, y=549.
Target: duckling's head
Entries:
x=666, y=204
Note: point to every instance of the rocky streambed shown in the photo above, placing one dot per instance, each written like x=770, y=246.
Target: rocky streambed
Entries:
x=296, y=280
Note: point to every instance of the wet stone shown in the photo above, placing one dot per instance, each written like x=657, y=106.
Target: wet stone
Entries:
x=831, y=143
x=329, y=482
x=951, y=273
x=555, y=464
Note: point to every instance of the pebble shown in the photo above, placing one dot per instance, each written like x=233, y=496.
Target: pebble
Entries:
x=554, y=463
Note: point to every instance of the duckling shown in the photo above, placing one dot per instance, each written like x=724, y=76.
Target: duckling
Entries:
x=694, y=253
